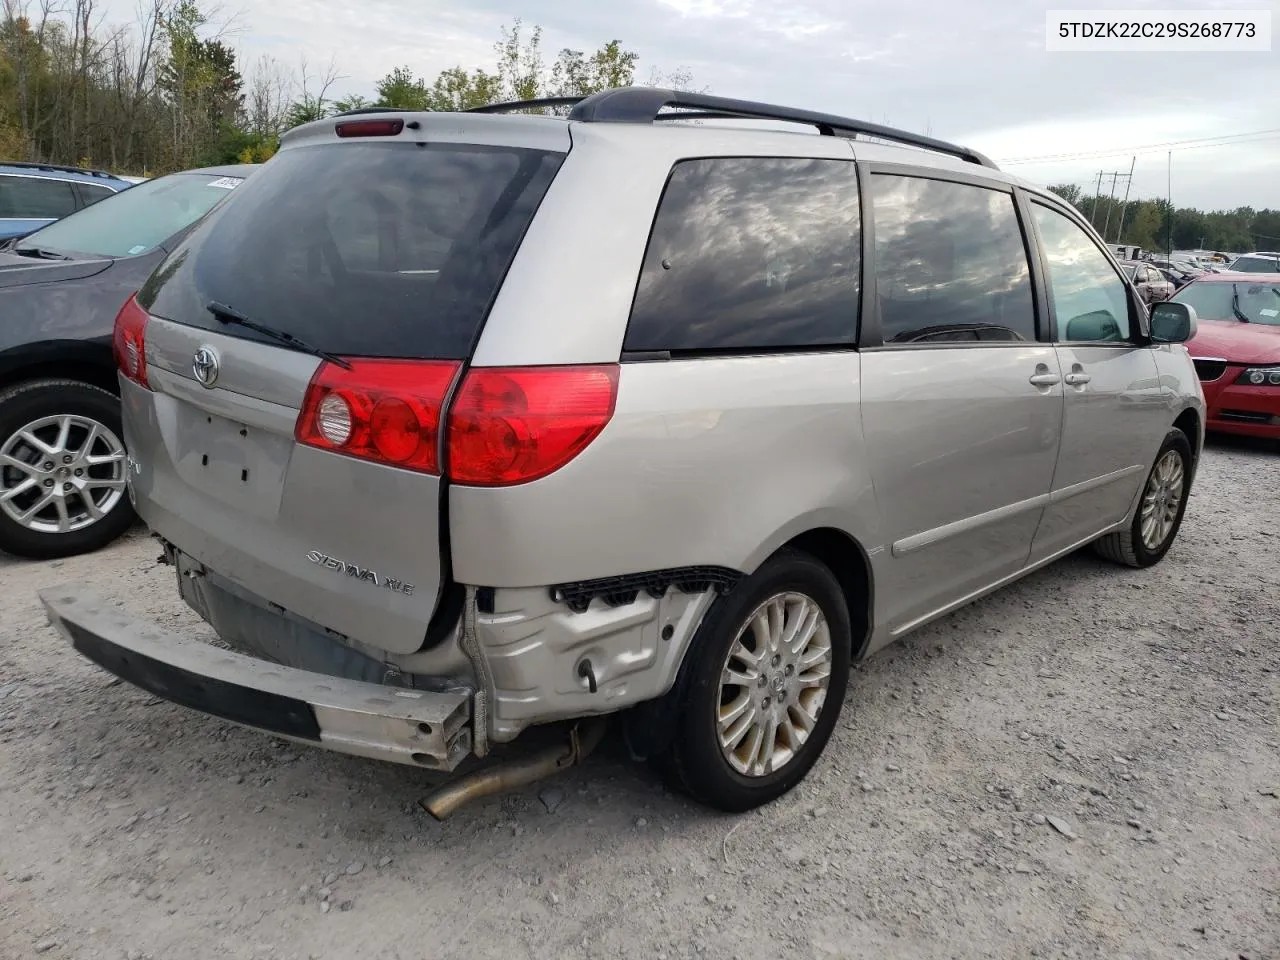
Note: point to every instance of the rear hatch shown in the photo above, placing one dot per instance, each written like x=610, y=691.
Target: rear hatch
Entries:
x=314, y=481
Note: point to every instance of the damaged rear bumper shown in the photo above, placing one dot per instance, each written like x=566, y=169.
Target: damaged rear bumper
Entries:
x=427, y=729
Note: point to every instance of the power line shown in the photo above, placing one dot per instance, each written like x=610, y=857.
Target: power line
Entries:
x=1229, y=139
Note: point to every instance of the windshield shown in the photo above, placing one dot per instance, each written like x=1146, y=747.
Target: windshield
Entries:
x=135, y=220
x=1260, y=302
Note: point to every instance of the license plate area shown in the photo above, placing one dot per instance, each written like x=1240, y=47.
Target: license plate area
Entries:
x=239, y=464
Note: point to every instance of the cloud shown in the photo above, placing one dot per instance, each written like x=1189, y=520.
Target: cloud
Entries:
x=975, y=72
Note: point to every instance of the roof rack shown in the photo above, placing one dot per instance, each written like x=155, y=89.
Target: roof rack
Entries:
x=356, y=111
x=56, y=168
x=645, y=105
x=542, y=103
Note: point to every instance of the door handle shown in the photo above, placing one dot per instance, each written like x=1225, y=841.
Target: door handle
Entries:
x=1042, y=378
x=1077, y=379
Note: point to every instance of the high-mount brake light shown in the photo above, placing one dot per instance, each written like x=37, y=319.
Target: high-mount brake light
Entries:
x=129, y=341
x=387, y=411
x=512, y=425
x=369, y=128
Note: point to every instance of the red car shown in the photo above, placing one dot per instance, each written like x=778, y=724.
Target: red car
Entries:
x=1237, y=350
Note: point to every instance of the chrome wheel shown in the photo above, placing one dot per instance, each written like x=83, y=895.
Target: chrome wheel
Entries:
x=773, y=684
x=61, y=474
x=1162, y=500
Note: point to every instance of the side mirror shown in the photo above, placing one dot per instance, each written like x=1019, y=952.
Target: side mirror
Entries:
x=1172, y=322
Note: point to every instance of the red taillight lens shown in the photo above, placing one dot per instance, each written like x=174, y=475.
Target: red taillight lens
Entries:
x=387, y=411
x=509, y=426
x=129, y=342
x=369, y=128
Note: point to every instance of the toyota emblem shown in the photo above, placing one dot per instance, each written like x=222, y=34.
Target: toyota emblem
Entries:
x=205, y=366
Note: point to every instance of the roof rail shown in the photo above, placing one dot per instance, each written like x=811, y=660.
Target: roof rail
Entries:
x=355, y=111
x=645, y=105
x=56, y=168
x=514, y=105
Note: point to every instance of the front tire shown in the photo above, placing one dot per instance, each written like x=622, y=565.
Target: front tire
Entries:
x=769, y=668
x=1160, y=510
x=63, y=470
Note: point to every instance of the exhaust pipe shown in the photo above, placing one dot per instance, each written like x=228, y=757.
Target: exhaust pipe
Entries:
x=583, y=739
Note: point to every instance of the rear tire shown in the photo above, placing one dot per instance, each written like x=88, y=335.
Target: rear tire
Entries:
x=779, y=698
x=1159, y=515
x=91, y=444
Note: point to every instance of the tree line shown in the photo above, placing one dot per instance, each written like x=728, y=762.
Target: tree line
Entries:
x=168, y=92
x=1151, y=224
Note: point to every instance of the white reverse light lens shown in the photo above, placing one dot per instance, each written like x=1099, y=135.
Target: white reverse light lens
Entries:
x=333, y=419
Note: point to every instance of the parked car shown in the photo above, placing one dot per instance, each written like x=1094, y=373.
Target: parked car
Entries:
x=1151, y=284
x=448, y=496
x=35, y=194
x=62, y=458
x=1263, y=261
x=1237, y=350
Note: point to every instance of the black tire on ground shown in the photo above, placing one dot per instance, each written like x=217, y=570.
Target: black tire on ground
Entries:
x=1126, y=547
x=694, y=761
x=28, y=402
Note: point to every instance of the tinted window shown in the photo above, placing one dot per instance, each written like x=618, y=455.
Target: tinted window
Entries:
x=362, y=248
x=35, y=198
x=1090, y=300
x=751, y=253
x=91, y=193
x=950, y=263
x=1128, y=270
x=135, y=220
x=1216, y=300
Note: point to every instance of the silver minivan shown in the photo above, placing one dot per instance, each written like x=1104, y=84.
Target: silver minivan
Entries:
x=452, y=425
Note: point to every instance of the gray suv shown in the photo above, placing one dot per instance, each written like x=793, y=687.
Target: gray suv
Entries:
x=452, y=425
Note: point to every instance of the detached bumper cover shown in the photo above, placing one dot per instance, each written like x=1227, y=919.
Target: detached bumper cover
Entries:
x=417, y=727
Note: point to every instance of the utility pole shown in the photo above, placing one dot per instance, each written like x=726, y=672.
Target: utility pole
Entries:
x=1111, y=202
x=1124, y=207
x=1093, y=212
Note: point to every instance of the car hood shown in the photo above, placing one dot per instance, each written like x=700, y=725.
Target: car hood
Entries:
x=18, y=271
x=1236, y=342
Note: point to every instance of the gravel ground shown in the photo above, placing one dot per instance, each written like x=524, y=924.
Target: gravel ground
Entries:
x=1084, y=765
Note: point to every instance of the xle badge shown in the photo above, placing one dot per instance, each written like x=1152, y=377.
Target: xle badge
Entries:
x=360, y=573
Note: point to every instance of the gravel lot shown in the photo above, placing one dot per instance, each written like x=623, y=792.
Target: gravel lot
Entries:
x=1085, y=765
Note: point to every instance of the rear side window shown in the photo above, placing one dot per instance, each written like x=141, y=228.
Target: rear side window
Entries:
x=35, y=198
x=951, y=264
x=91, y=193
x=751, y=253
x=362, y=249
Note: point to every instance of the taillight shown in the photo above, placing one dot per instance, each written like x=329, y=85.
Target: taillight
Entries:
x=387, y=411
x=513, y=425
x=129, y=341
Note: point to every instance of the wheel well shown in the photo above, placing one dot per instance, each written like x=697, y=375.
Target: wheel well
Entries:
x=846, y=559
x=95, y=374
x=1188, y=422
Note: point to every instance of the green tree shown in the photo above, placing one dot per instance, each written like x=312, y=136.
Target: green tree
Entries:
x=456, y=89
x=1069, y=192
x=402, y=90
x=575, y=74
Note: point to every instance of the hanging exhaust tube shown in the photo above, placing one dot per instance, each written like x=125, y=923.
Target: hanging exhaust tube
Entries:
x=583, y=739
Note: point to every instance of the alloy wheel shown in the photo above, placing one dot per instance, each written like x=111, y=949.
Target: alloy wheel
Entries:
x=1162, y=499
x=61, y=473
x=773, y=684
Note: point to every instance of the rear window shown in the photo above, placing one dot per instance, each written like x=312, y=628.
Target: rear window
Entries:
x=362, y=249
x=1256, y=265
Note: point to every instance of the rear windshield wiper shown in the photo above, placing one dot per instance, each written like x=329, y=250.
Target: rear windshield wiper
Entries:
x=1235, y=306
x=225, y=314
x=40, y=252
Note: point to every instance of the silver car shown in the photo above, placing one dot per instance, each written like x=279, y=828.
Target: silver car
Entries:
x=452, y=425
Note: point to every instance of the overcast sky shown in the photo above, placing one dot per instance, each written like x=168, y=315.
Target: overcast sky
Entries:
x=975, y=72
